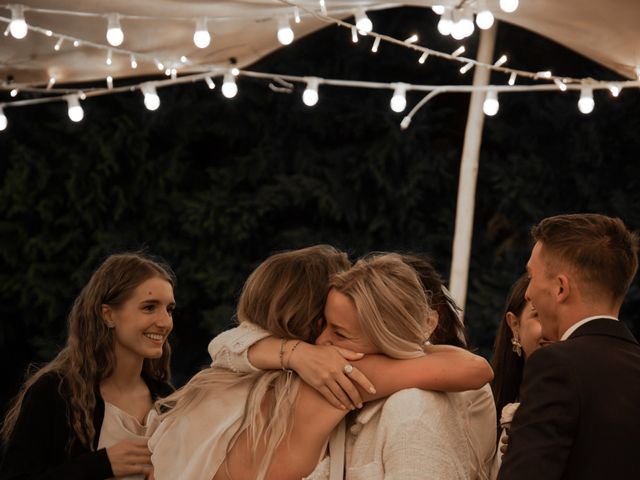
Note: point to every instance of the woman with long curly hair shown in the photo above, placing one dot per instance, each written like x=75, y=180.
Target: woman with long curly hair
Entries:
x=87, y=414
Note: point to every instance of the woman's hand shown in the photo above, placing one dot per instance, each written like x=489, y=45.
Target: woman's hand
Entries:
x=322, y=367
x=130, y=457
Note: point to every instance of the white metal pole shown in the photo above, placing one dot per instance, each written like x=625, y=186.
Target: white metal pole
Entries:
x=468, y=174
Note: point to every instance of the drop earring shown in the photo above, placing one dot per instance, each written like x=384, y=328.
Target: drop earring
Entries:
x=516, y=345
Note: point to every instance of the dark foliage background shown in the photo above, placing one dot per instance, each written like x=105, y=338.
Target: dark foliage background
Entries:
x=215, y=185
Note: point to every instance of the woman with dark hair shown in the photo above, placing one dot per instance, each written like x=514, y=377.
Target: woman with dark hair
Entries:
x=519, y=335
x=87, y=414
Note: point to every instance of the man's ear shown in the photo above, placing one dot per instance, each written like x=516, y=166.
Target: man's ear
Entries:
x=563, y=288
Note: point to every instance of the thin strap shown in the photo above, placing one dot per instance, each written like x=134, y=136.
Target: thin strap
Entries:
x=336, y=452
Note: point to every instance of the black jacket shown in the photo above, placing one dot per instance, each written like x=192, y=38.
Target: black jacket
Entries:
x=579, y=415
x=44, y=446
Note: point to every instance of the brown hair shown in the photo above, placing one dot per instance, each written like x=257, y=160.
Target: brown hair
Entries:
x=600, y=249
x=88, y=356
x=507, y=366
x=449, y=330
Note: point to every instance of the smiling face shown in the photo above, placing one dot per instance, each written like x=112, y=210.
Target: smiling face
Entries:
x=527, y=328
x=542, y=293
x=142, y=323
x=342, y=327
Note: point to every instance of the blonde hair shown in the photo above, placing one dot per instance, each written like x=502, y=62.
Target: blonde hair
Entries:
x=88, y=356
x=390, y=303
x=284, y=295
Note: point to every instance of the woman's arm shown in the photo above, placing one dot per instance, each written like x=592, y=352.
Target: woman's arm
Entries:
x=36, y=449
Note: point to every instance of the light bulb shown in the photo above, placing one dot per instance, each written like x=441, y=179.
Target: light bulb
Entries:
x=134, y=63
x=201, y=37
x=491, y=104
x=376, y=44
x=151, y=98
x=363, y=22
x=457, y=28
x=3, y=120
x=109, y=59
x=501, y=61
x=586, y=103
x=512, y=78
x=438, y=9
x=14, y=92
x=115, y=36
x=509, y=6
x=76, y=114
x=285, y=34
x=229, y=87
x=463, y=27
x=484, y=19
x=310, y=95
x=209, y=83
x=445, y=24
x=399, y=99
x=615, y=90
x=18, y=25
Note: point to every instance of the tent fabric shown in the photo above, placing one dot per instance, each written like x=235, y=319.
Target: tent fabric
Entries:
x=243, y=31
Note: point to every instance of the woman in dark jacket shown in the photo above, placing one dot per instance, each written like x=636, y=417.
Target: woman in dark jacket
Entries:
x=87, y=413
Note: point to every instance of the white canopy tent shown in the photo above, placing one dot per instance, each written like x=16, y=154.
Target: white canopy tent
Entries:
x=66, y=42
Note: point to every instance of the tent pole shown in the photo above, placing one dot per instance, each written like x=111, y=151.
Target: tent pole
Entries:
x=469, y=173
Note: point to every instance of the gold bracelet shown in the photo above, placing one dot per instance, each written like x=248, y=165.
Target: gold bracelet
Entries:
x=291, y=353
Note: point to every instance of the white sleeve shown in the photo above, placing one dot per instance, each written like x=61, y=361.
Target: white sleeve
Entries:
x=229, y=349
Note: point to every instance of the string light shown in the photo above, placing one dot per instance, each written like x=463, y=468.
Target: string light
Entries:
x=484, y=18
x=109, y=59
x=285, y=33
x=159, y=65
x=412, y=39
x=76, y=43
x=151, y=98
x=18, y=25
x=438, y=9
x=75, y=112
x=466, y=67
x=3, y=120
x=491, y=105
x=463, y=25
x=423, y=57
x=544, y=74
x=58, y=44
x=310, y=94
x=445, y=24
x=615, y=90
x=586, y=103
x=51, y=83
x=14, y=92
x=296, y=14
x=235, y=71
x=48, y=33
x=184, y=59
x=561, y=85
x=458, y=51
x=501, y=61
x=509, y=6
x=323, y=7
x=209, y=83
x=512, y=79
x=201, y=37
x=229, y=87
x=376, y=44
x=354, y=34
x=399, y=100
x=109, y=82
x=115, y=35
x=363, y=22
x=134, y=63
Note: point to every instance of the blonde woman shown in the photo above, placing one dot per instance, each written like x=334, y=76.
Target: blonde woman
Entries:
x=237, y=425
x=88, y=413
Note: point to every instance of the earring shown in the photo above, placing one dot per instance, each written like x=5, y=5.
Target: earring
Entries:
x=517, y=346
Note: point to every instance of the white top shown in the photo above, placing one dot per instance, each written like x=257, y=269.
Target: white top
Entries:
x=119, y=425
x=508, y=412
x=577, y=325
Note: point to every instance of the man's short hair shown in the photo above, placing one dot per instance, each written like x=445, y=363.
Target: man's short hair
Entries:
x=599, y=248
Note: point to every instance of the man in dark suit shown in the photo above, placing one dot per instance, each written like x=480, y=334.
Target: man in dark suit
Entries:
x=579, y=417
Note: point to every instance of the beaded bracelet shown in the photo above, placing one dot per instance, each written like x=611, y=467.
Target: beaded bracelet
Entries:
x=291, y=352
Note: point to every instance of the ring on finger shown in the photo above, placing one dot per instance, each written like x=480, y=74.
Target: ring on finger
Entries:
x=347, y=369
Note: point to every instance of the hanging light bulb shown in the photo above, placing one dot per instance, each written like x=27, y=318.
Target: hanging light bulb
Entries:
x=285, y=33
x=457, y=28
x=484, y=18
x=58, y=44
x=376, y=44
x=18, y=25
x=3, y=120
x=209, y=83
x=354, y=34
x=363, y=22
x=509, y=6
x=151, y=98
x=501, y=61
x=296, y=14
x=466, y=67
x=438, y=9
x=134, y=63
x=76, y=114
x=229, y=87
x=491, y=104
x=445, y=24
x=615, y=90
x=467, y=23
x=109, y=59
x=586, y=103
x=310, y=95
x=202, y=37
x=115, y=36
x=399, y=99
x=512, y=78
x=14, y=92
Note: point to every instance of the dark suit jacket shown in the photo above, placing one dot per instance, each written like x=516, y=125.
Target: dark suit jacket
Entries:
x=43, y=445
x=579, y=417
